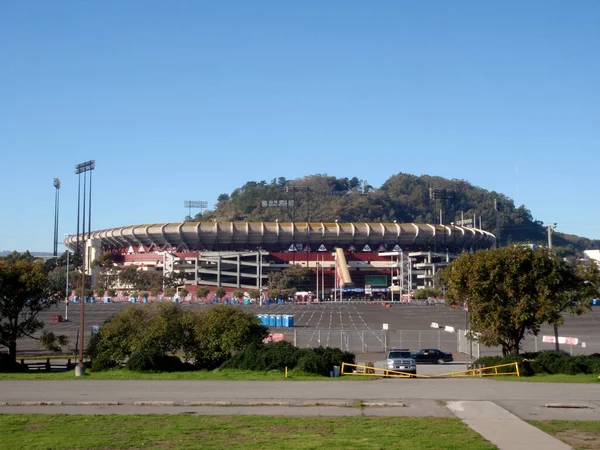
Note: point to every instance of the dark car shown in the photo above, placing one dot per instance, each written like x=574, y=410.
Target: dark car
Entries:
x=432, y=356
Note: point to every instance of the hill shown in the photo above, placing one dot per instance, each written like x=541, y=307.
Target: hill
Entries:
x=403, y=197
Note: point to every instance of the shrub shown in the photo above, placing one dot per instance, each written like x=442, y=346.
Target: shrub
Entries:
x=103, y=362
x=160, y=325
x=152, y=359
x=145, y=359
x=276, y=356
x=525, y=367
x=265, y=357
x=321, y=360
x=551, y=362
x=214, y=335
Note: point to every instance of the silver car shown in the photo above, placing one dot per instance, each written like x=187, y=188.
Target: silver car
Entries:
x=401, y=360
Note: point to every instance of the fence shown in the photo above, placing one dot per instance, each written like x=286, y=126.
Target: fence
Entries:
x=468, y=346
x=372, y=341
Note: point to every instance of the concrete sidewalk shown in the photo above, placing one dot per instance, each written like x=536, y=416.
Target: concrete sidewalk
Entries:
x=503, y=429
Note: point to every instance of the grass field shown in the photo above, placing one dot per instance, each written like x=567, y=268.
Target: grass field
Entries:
x=554, y=378
x=236, y=432
x=579, y=434
x=124, y=374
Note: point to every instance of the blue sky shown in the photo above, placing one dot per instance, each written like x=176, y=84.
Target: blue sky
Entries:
x=186, y=100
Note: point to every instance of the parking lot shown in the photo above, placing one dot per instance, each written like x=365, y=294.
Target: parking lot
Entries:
x=353, y=326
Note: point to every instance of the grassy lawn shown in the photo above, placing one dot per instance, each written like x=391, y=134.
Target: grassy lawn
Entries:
x=124, y=374
x=235, y=432
x=579, y=434
x=553, y=378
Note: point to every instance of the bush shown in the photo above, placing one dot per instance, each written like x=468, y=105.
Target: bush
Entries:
x=215, y=335
x=321, y=360
x=265, y=357
x=103, y=362
x=525, y=367
x=276, y=356
x=152, y=359
x=160, y=326
x=549, y=362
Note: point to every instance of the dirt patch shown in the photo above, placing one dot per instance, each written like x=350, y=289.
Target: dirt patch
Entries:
x=580, y=439
x=34, y=427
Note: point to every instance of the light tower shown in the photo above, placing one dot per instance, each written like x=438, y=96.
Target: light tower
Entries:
x=56, y=209
x=84, y=168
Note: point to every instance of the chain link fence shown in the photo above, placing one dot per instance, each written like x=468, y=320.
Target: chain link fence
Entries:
x=372, y=341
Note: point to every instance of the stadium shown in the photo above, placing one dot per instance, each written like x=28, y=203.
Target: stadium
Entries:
x=366, y=259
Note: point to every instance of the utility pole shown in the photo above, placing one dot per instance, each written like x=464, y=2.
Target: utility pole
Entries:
x=551, y=229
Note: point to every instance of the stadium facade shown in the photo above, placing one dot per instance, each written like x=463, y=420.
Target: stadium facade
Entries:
x=361, y=258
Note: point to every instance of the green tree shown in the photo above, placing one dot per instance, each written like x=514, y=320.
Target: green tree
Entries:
x=239, y=295
x=296, y=278
x=202, y=292
x=25, y=292
x=169, y=292
x=183, y=293
x=254, y=293
x=220, y=293
x=217, y=333
x=512, y=291
x=103, y=260
x=159, y=326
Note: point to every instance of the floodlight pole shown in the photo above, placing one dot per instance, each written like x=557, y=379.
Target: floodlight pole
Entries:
x=194, y=204
x=551, y=229
x=85, y=167
x=67, y=290
x=56, y=209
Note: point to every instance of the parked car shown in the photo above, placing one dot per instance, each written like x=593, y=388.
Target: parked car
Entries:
x=432, y=356
x=401, y=360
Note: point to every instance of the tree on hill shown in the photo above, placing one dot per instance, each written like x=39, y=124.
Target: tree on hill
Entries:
x=510, y=292
x=402, y=197
x=25, y=292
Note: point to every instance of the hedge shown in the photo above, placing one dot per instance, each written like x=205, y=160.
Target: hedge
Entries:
x=549, y=362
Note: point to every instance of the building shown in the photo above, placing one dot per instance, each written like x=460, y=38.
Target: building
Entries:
x=240, y=255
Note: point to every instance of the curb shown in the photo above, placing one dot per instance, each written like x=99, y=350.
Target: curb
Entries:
x=210, y=404
x=42, y=404
x=155, y=403
x=383, y=405
x=158, y=403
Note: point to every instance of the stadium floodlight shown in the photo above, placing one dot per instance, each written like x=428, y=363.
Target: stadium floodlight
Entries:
x=83, y=168
x=56, y=209
x=201, y=204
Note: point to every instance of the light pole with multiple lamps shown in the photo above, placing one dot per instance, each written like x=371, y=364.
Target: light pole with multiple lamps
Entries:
x=85, y=167
x=56, y=209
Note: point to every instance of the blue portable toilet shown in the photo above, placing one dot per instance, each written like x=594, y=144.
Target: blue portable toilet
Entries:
x=285, y=320
x=216, y=300
x=145, y=300
x=266, y=320
x=268, y=301
x=291, y=321
x=106, y=299
x=280, y=301
x=278, y=322
x=272, y=320
x=233, y=300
